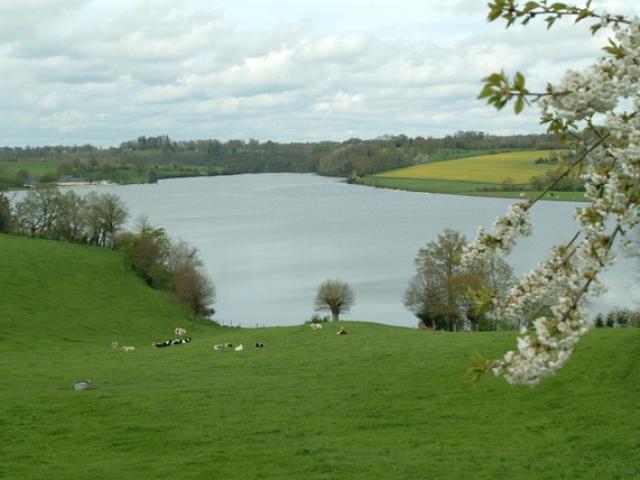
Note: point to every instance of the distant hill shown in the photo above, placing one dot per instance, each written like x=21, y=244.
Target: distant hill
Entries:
x=517, y=166
x=505, y=174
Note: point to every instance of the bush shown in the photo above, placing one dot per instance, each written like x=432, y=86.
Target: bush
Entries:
x=316, y=318
x=618, y=318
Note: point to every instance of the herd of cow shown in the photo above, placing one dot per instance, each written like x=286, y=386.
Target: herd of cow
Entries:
x=181, y=332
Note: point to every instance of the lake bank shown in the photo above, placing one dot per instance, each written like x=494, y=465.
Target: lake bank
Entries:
x=268, y=240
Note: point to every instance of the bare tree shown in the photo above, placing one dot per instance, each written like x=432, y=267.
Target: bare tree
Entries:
x=106, y=215
x=38, y=211
x=114, y=214
x=192, y=286
x=71, y=223
x=335, y=296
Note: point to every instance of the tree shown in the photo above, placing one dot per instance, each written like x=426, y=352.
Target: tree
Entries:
x=64, y=168
x=38, y=212
x=5, y=214
x=71, y=222
x=597, y=113
x=191, y=284
x=147, y=251
x=106, y=215
x=435, y=293
x=440, y=294
x=335, y=296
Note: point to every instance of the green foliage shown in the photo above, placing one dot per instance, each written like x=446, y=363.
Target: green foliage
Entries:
x=147, y=252
x=499, y=90
x=310, y=405
x=148, y=159
x=6, y=221
x=93, y=218
x=446, y=296
x=618, y=318
x=317, y=318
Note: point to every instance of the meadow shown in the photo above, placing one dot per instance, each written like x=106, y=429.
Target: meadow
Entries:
x=35, y=168
x=518, y=166
x=481, y=175
x=381, y=402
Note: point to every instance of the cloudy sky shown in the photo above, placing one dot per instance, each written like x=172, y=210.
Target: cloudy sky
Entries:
x=104, y=71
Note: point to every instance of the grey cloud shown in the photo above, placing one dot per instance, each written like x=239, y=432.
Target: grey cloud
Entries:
x=193, y=73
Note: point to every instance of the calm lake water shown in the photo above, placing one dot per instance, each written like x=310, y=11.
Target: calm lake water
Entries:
x=269, y=240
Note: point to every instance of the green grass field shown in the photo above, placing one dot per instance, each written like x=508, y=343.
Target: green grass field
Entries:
x=382, y=402
x=35, y=168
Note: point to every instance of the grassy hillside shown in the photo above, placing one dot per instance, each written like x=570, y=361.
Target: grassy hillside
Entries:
x=476, y=175
x=519, y=166
x=382, y=402
x=63, y=294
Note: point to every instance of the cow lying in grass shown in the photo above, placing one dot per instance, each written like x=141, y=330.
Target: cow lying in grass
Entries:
x=168, y=343
x=181, y=332
x=229, y=346
x=123, y=348
x=315, y=326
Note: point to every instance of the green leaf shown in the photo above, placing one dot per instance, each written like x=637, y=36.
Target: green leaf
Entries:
x=582, y=15
x=486, y=91
x=518, y=84
x=519, y=105
x=494, y=78
x=550, y=21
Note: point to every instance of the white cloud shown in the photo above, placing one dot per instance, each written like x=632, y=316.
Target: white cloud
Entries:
x=340, y=102
x=108, y=71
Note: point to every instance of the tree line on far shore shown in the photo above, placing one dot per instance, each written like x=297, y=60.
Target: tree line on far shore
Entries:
x=150, y=158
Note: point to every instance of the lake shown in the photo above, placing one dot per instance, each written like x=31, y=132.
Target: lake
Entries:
x=269, y=240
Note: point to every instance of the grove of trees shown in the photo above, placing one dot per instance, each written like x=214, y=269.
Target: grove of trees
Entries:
x=444, y=294
x=98, y=219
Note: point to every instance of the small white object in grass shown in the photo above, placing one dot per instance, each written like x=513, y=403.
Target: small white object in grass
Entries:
x=180, y=332
x=239, y=348
x=82, y=384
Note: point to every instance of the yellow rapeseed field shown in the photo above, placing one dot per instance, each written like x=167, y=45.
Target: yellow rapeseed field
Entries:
x=518, y=166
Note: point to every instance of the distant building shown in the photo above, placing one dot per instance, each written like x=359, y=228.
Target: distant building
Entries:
x=30, y=183
x=71, y=181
